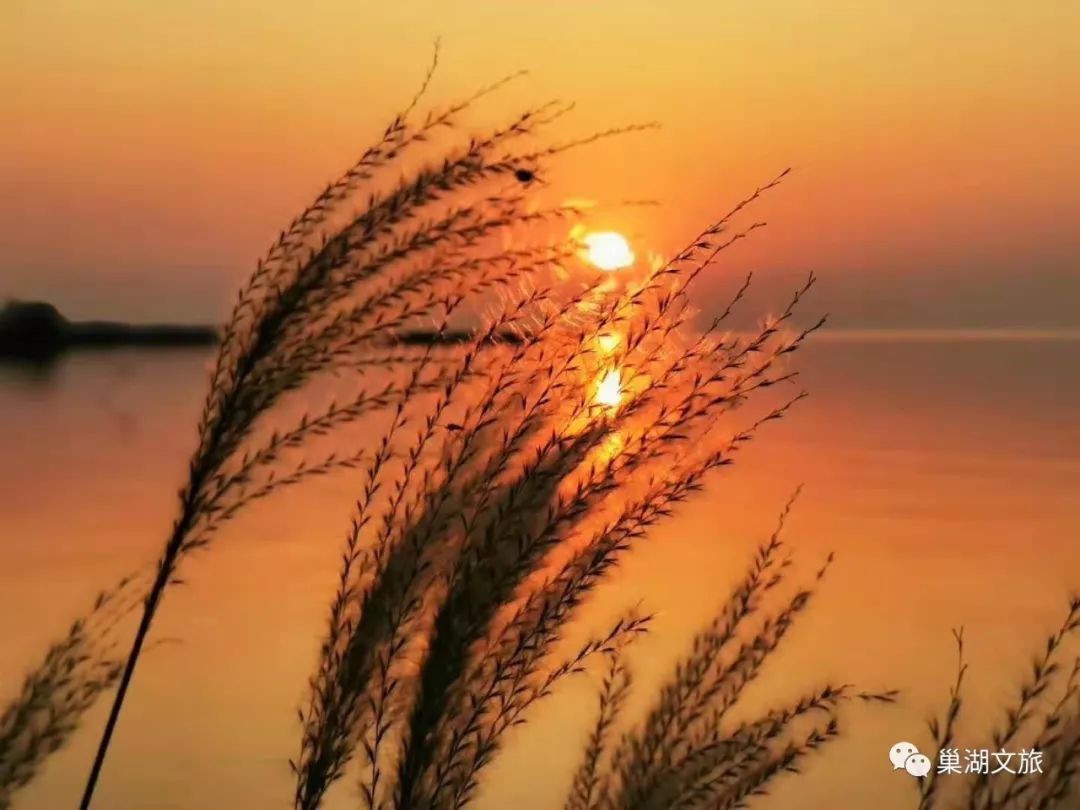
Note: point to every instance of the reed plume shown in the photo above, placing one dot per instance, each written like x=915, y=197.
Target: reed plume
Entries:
x=370, y=257
x=503, y=489
x=1044, y=720
x=686, y=754
x=494, y=506
x=55, y=695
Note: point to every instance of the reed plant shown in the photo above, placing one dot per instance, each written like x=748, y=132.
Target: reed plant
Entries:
x=687, y=753
x=1043, y=720
x=424, y=224
x=495, y=506
x=506, y=480
x=504, y=488
x=371, y=256
x=56, y=694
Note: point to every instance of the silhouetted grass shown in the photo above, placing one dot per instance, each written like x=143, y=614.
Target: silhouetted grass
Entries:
x=499, y=495
x=1045, y=718
x=402, y=239
x=332, y=292
x=495, y=506
x=58, y=692
x=686, y=753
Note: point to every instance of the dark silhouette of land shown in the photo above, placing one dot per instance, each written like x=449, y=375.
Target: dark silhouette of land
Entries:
x=37, y=331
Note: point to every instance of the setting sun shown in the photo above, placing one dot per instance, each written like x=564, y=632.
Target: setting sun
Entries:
x=609, y=391
x=608, y=250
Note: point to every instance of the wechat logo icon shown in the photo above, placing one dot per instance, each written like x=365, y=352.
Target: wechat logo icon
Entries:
x=905, y=756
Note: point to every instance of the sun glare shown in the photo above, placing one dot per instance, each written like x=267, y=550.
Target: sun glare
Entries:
x=609, y=392
x=608, y=250
x=608, y=343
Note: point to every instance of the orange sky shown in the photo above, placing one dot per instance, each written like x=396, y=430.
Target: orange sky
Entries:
x=149, y=151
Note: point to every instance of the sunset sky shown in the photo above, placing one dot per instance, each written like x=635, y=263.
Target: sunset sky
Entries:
x=149, y=151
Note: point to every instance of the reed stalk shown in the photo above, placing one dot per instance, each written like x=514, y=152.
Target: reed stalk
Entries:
x=332, y=293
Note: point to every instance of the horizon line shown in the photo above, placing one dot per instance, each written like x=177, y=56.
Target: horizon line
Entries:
x=949, y=333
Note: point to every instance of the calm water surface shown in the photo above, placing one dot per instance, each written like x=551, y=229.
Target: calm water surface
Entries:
x=944, y=473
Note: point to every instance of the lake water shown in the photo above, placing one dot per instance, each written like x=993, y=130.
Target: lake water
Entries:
x=943, y=470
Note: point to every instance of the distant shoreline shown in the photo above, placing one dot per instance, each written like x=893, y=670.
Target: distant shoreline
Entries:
x=36, y=331
x=947, y=335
